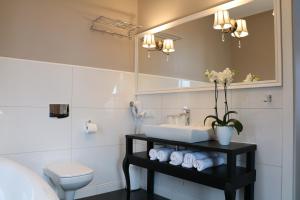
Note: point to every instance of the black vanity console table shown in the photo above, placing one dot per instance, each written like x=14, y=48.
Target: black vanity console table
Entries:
x=228, y=177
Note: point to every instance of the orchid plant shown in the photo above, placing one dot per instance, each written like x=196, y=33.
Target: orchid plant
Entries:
x=251, y=78
x=223, y=78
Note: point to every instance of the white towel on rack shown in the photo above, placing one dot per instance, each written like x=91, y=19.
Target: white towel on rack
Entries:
x=209, y=162
x=189, y=158
x=177, y=157
x=153, y=153
x=208, y=155
x=164, y=154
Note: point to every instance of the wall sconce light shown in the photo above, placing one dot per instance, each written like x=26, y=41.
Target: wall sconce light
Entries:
x=222, y=22
x=149, y=42
x=236, y=28
x=164, y=45
x=168, y=46
x=241, y=30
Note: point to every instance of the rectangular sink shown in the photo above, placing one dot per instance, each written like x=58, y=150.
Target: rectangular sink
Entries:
x=190, y=134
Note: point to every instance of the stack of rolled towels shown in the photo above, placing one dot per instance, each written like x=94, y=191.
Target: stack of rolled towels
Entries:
x=187, y=158
x=161, y=154
x=203, y=160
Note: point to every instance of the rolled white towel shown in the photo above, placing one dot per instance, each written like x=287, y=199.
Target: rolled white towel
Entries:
x=177, y=157
x=209, y=162
x=164, y=154
x=153, y=153
x=189, y=158
x=208, y=155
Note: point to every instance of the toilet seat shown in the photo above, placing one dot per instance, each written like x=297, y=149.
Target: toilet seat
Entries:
x=67, y=170
x=68, y=177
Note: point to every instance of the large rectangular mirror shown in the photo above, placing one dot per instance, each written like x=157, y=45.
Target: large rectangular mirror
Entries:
x=242, y=35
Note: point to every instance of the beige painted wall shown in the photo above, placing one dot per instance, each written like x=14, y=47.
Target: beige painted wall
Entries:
x=199, y=49
x=257, y=54
x=154, y=12
x=58, y=31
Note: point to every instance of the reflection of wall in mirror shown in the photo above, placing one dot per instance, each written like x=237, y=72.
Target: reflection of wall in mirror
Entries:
x=200, y=49
x=257, y=54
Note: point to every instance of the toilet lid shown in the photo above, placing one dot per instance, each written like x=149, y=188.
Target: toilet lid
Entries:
x=66, y=170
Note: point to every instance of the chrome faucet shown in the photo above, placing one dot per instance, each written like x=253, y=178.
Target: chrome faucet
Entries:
x=187, y=115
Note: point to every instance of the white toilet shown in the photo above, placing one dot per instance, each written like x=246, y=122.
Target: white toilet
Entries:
x=68, y=177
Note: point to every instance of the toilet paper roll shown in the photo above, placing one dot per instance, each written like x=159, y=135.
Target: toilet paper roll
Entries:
x=91, y=127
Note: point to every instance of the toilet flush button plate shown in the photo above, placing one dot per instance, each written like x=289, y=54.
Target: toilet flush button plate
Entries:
x=59, y=110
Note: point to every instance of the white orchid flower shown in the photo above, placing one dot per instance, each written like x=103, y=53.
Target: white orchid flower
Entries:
x=248, y=78
x=211, y=75
x=251, y=78
x=226, y=76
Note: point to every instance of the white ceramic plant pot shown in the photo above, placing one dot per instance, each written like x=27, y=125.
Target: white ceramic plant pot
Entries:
x=224, y=134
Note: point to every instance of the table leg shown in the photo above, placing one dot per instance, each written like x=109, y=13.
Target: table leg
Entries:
x=230, y=193
x=127, y=176
x=129, y=151
x=150, y=173
x=249, y=192
x=250, y=164
x=150, y=182
x=231, y=165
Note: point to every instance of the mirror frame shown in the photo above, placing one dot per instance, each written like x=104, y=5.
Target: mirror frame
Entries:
x=226, y=6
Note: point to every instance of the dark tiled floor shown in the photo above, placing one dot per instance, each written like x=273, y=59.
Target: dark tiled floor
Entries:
x=121, y=195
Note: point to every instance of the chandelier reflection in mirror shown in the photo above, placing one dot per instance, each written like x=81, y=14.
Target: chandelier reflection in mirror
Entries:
x=165, y=46
x=236, y=28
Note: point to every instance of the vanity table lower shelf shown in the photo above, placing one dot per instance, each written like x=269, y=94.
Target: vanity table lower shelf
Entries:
x=229, y=177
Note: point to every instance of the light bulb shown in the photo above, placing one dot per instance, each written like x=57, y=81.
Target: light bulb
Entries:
x=149, y=41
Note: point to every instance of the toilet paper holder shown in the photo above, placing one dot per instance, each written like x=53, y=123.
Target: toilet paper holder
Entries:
x=91, y=127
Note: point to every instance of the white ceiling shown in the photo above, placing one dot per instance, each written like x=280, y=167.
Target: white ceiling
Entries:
x=254, y=7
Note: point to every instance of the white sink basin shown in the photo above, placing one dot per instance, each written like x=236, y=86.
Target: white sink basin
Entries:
x=188, y=134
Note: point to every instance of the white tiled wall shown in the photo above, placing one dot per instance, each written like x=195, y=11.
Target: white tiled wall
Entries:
x=29, y=136
x=262, y=125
